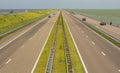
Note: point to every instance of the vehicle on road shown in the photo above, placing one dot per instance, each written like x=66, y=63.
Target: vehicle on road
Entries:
x=110, y=23
x=102, y=23
x=49, y=16
x=83, y=19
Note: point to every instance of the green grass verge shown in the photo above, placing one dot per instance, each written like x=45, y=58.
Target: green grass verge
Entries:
x=76, y=63
x=59, y=64
x=104, y=35
x=10, y=22
x=24, y=24
x=41, y=66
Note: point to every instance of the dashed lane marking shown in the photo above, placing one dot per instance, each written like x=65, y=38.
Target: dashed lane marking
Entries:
x=82, y=31
x=30, y=38
x=93, y=43
x=19, y=35
x=119, y=70
x=97, y=26
x=117, y=33
x=23, y=46
x=8, y=61
x=84, y=66
x=86, y=36
x=36, y=34
x=103, y=53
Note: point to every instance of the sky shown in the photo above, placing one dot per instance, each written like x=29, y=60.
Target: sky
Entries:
x=71, y=4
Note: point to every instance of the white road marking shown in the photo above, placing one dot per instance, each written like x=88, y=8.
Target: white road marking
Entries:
x=97, y=26
x=36, y=34
x=39, y=30
x=103, y=53
x=119, y=70
x=8, y=61
x=32, y=71
x=23, y=46
x=82, y=31
x=93, y=43
x=117, y=33
x=84, y=66
x=86, y=36
x=30, y=38
x=20, y=35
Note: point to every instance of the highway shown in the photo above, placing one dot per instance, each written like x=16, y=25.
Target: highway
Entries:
x=98, y=54
x=19, y=51
x=111, y=30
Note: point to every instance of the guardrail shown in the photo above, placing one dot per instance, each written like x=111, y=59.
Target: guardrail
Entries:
x=53, y=47
x=99, y=30
x=52, y=51
x=67, y=52
x=16, y=28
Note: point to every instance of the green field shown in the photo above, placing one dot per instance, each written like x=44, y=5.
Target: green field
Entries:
x=9, y=22
x=59, y=64
x=108, y=15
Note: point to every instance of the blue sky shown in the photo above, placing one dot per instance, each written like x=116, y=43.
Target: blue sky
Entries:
x=43, y=4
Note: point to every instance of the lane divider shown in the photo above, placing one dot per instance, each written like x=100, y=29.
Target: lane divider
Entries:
x=93, y=43
x=32, y=71
x=84, y=66
x=119, y=70
x=8, y=61
x=103, y=53
x=49, y=65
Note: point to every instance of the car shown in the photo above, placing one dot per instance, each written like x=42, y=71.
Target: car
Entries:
x=12, y=11
x=83, y=19
x=110, y=23
x=102, y=23
x=49, y=16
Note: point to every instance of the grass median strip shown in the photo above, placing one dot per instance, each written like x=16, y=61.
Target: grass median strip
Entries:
x=59, y=63
x=76, y=63
x=41, y=66
x=11, y=23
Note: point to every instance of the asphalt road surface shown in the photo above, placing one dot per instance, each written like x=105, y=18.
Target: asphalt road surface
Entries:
x=19, y=51
x=99, y=55
x=109, y=29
